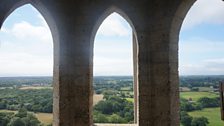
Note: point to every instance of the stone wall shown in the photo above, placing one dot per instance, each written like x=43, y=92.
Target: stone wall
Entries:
x=73, y=23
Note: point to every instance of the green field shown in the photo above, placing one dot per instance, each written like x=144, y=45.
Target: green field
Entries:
x=213, y=115
x=130, y=99
x=125, y=88
x=205, y=89
x=196, y=95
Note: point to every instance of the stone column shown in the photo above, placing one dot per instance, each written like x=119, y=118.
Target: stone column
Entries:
x=135, y=76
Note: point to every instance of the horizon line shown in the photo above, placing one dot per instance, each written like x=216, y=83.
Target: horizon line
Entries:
x=110, y=75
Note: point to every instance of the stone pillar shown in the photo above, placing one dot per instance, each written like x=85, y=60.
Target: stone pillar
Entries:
x=135, y=76
x=73, y=78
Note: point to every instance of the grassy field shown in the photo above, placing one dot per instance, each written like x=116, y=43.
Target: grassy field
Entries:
x=45, y=118
x=196, y=95
x=130, y=99
x=33, y=88
x=125, y=88
x=213, y=115
x=97, y=98
x=205, y=89
x=7, y=111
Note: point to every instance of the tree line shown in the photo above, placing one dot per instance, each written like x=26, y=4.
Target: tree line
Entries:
x=21, y=118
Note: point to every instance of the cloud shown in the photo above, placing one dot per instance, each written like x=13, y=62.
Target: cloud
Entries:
x=111, y=66
x=200, y=56
x=205, y=11
x=196, y=45
x=18, y=59
x=23, y=64
x=26, y=49
x=25, y=30
x=206, y=67
x=113, y=56
x=215, y=61
x=114, y=25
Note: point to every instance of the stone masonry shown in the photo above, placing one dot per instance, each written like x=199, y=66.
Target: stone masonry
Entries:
x=73, y=23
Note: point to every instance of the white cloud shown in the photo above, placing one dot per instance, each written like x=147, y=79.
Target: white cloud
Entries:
x=25, y=30
x=111, y=66
x=215, y=61
x=26, y=49
x=113, y=57
x=199, y=56
x=19, y=59
x=200, y=45
x=114, y=25
x=23, y=64
x=205, y=11
x=207, y=67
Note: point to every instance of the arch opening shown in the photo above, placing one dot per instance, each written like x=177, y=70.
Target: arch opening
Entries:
x=115, y=67
x=26, y=59
x=200, y=61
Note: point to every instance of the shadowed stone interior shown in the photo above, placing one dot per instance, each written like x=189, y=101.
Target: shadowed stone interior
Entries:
x=73, y=24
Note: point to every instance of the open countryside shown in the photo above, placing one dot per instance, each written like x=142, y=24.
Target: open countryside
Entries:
x=35, y=95
x=213, y=115
x=45, y=118
x=197, y=95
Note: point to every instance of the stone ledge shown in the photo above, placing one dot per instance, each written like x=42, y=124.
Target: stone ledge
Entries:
x=107, y=124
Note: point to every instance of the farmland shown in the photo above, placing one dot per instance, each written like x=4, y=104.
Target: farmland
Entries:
x=213, y=115
x=196, y=95
x=35, y=94
x=97, y=98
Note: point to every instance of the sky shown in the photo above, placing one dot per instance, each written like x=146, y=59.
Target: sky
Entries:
x=201, y=44
x=26, y=45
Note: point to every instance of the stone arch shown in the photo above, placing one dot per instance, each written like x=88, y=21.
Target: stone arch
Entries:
x=179, y=14
x=10, y=8
x=178, y=18
x=101, y=18
x=108, y=12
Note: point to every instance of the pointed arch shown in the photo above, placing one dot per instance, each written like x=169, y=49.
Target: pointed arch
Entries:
x=8, y=7
x=12, y=6
x=105, y=14
x=180, y=14
x=101, y=18
x=40, y=7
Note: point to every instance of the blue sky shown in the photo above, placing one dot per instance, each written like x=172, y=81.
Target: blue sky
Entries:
x=201, y=46
x=26, y=46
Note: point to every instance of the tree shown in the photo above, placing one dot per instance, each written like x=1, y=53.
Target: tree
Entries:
x=16, y=121
x=99, y=117
x=114, y=118
x=31, y=120
x=2, y=105
x=185, y=119
x=195, y=89
x=208, y=102
x=199, y=121
x=5, y=118
x=116, y=108
x=21, y=113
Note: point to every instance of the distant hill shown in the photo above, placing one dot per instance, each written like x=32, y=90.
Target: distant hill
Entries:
x=18, y=81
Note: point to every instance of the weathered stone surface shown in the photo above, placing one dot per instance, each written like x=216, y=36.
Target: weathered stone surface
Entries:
x=73, y=23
